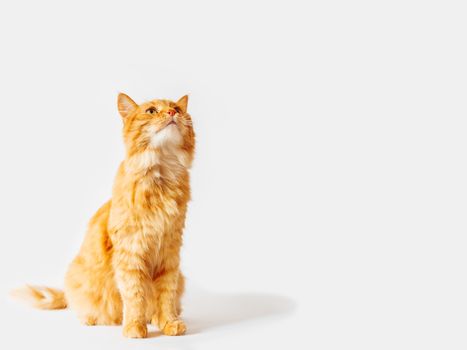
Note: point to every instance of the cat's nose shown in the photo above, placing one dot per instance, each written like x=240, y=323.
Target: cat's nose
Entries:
x=171, y=112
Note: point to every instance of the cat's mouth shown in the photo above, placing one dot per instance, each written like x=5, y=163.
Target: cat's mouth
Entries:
x=172, y=122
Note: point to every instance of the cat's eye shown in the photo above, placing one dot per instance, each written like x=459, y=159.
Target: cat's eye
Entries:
x=151, y=110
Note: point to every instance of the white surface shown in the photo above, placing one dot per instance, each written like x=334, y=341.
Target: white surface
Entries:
x=329, y=187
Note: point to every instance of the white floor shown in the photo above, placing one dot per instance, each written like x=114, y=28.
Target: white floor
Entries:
x=215, y=321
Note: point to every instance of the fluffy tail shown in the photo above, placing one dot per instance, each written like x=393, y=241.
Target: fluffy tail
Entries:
x=44, y=298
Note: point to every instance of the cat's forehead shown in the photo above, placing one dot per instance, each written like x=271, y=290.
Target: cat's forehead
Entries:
x=166, y=103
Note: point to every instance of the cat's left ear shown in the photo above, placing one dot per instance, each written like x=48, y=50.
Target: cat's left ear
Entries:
x=183, y=103
x=125, y=105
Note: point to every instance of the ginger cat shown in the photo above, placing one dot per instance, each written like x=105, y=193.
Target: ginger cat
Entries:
x=128, y=268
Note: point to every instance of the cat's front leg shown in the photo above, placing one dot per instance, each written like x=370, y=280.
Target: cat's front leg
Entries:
x=130, y=276
x=167, y=317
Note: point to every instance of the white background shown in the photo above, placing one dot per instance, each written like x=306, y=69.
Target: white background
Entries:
x=329, y=187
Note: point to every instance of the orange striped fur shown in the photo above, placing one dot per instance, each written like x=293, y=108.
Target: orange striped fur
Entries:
x=128, y=268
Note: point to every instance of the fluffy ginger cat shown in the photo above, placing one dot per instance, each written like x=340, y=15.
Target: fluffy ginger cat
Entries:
x=128, y=268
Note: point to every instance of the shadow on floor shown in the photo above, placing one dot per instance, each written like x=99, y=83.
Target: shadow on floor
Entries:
x=204, y=311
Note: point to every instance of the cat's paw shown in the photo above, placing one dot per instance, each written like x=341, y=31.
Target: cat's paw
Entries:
x=135, y=329
x=176, y=327
x=89, y=321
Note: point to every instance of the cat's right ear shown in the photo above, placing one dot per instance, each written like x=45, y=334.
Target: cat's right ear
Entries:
x=125, y=105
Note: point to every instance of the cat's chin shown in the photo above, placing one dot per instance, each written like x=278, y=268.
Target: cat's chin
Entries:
x=169, y=136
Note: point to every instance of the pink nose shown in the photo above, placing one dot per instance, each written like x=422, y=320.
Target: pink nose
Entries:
x=171, y=112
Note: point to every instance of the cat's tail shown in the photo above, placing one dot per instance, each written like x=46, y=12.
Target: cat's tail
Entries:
x=44, y=298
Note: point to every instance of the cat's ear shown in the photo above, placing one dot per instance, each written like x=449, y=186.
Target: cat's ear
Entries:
x=125, y=105
x=183, y=103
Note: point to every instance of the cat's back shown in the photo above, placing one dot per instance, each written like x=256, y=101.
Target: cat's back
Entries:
x=96, y=243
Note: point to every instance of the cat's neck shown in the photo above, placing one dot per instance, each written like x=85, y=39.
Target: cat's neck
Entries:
x=158, y=164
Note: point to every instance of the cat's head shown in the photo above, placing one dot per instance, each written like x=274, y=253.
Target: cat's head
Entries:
x=158, y=124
